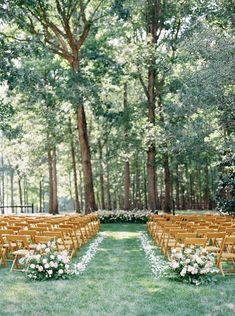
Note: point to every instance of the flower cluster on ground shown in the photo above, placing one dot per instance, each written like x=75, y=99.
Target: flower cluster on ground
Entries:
x=90, y=253
x=159, y=266
x=123, y=216
x=46, y=263
x=193, y=264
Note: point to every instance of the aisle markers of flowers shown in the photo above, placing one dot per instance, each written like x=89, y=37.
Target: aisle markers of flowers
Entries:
x=90, y=253
x=158, y=265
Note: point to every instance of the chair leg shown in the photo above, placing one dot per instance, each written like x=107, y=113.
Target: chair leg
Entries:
x=14, y=262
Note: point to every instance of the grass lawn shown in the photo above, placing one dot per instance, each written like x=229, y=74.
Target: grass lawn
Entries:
x=117, y=281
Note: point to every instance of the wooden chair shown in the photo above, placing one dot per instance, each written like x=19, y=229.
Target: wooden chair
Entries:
x=195, y=242
x=214, y=240
x=226, y=255
x=18, y=247
x=3, y=250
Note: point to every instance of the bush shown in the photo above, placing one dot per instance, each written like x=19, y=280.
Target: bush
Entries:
x=225, y=196
x=193, y=265
x=46, y=263
x=123, y=216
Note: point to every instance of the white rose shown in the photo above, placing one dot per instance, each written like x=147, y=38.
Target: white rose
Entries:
x=52, y=257
x=38, y=248
x=183, y=272
x=51, y=263
x=60, y=271
x=46, y=266
x=32, y=266
x=47, y=250
x=44, y=260
x=55, y=265
x=50, y=272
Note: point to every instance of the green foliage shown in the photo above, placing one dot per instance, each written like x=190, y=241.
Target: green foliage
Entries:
x=225, y=196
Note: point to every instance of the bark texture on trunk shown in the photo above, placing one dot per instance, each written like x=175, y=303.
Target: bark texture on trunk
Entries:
x=127, y=186
x=74, y=164
x=101, y=176
x=167, y=179
x=53, y=199
x=90, y=204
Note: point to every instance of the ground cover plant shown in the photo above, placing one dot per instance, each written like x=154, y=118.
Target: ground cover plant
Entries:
x=117, y=281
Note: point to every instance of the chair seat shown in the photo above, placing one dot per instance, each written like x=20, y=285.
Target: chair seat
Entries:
x=21, y=252
x=212, y=248
x=228, y=255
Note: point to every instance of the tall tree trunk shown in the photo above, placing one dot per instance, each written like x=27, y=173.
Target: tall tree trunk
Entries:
x=40, y=196
x=101, y=176
x=74, y=164
x=151, y=173
x=53, y=200
x=109, y=206
x=127, y=186
x=167, y=179
x=54, y=178
x=145, y=191
x=20, y=193
x=90, y=204
x=207, y=188
x=177, y=189
x=199, y=187
x=12, y=189
x=137, y=185
x=127, y=180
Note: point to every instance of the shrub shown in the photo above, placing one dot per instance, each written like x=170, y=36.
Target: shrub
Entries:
x=123, y=216
x=46, y=263
x=193, y=265
x=225, y=196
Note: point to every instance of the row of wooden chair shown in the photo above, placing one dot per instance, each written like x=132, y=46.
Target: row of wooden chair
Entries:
x=215, y=234
x=21, y=235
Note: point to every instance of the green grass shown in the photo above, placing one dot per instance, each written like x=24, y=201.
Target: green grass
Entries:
x=117, y=281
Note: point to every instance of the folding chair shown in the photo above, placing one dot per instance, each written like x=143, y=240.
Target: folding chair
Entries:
x=18, y=247
x=226, y=255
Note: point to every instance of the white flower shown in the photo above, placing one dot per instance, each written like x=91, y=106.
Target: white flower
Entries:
x=40, y=268
x=50, y=272
x=38, y=248
x=44, y=260
x=46, y=266
x=47, y=250
x=32, y=266
x=51, y=264
x=61, y=271
x=52, y=257
x=183, y=272
x=175, y=265
x=55, y=265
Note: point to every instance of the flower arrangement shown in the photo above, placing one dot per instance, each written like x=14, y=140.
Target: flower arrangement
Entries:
x=123, y=216
x=193, y=265
x=46, y=263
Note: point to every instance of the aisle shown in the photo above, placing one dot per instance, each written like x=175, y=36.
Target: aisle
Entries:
x=121, y=275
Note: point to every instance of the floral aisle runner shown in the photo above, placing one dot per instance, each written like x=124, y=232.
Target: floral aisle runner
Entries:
x=90, y=253
x=158, y=265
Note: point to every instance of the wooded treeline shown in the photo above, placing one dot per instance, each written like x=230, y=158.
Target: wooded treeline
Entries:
x=115, y=104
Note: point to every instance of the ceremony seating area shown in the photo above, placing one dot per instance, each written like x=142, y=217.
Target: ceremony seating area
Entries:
x=20, y=235
x=215, y=233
